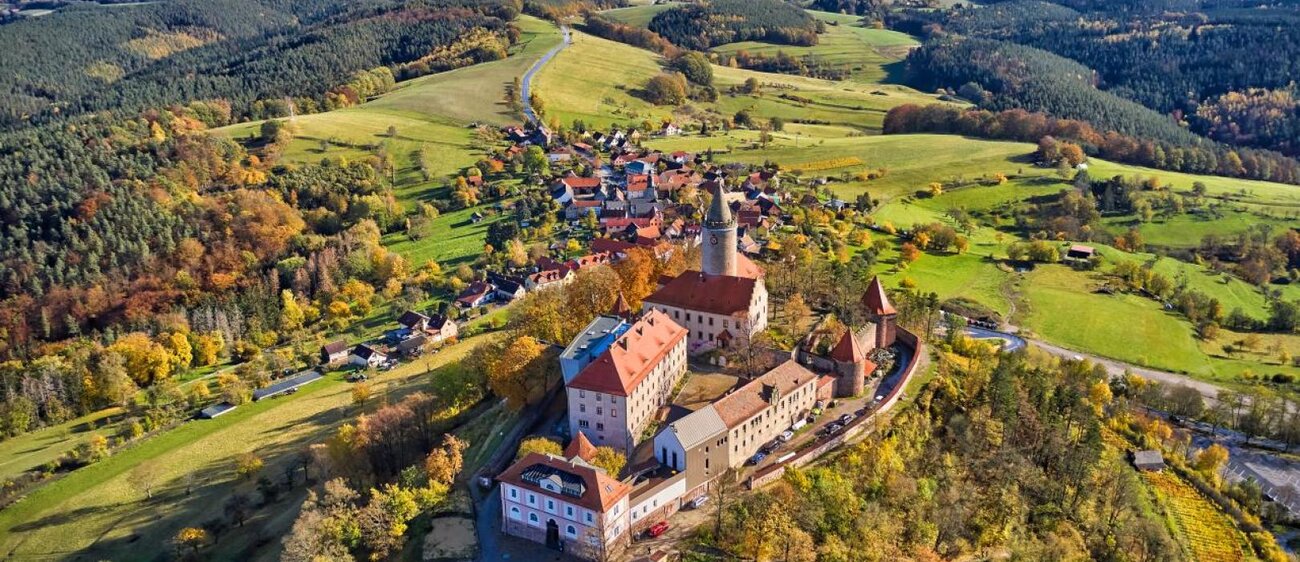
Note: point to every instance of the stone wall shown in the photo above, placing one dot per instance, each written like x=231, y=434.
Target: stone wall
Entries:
x=855, y=427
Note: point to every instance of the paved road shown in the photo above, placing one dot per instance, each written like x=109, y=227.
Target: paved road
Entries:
x=526, y=91
x=1208, y=390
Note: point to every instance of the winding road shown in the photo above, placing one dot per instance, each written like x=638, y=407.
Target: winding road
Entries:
x=1014, y=342
x=527, y=81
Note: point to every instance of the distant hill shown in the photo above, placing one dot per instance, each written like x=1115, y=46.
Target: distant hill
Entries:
x=701, y=26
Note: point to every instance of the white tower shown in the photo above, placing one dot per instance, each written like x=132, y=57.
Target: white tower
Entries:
x=718, y=256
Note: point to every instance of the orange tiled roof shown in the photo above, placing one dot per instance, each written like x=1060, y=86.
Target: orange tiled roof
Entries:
x=600, y=491
x=622, y=367
x=747, y=401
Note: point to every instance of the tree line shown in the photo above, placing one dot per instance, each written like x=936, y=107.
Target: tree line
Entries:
x=701, y=26
x=1133, y=49
x=1029, y=126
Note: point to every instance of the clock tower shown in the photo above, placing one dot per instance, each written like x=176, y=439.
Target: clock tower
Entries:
x=718, y=257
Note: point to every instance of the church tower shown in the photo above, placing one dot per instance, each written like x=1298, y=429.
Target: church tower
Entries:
x=718, y=257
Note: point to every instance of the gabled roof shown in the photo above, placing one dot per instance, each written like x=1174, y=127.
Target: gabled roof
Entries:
x=622, y=367
x=366, y=352
x=337, y=346
x=579, y=182
x=621, y=308
x=876, y=301
x=698, y=426
x=576, y=483
x=412, y=318
x=714, y=294
x=580, y=447
x=747, y=401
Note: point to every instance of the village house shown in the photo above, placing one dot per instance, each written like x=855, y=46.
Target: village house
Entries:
x=615, y=395
x=566, y=502
x=507, y=288
x=476, y=294
x=365, y=356
x=334, y=353
x=441, y=328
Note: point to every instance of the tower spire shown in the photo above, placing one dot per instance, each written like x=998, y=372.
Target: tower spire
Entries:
x=719, y=214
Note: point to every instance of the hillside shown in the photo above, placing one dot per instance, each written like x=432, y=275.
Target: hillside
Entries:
x=700, y=26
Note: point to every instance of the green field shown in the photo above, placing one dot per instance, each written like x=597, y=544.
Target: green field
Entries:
x=637, y=16
x=870, y=54
x=30, y=450
x=97, y=513
x=596, y=80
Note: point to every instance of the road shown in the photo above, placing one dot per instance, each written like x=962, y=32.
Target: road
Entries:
x=1114, y=367
x=527, y=81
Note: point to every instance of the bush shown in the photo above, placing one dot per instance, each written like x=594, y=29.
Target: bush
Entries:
x=666, y=89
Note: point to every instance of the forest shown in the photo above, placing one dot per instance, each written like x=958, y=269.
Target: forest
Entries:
x=1181, y=59
x=1002, y=456
x=1030, y=126
x=155, y=54
x=701, y=26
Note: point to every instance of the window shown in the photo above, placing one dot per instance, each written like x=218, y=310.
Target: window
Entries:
x=568, y=511
x=600, y=426
x=613, y=412
x=710, y=320
x=514, y=514
x=514, y=494
x=532, y=499
x=598, y=395
x=600, y=411
x=588, y=517
x=571, y=531
x=582, y=423
x=550, y=506
x=582, y=408
x=582, y=393
x=532, y=518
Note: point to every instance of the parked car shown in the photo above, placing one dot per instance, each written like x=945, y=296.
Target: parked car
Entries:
x=757, y=458
x=770, y=446
x=698, y=502
x=357, y=376
x=861, y=411
x=657, y=529
x=786, y=436
x=834, y=428
x=845, y=419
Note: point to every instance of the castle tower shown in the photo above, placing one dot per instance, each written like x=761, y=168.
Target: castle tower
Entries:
x=718, y=257
x=851, y=366
x=881, y=313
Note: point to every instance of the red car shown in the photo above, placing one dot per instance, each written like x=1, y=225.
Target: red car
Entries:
x=657, y=529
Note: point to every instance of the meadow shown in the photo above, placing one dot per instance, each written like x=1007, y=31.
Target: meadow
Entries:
x=597, y=81
x=872, y=56
x=97, y=511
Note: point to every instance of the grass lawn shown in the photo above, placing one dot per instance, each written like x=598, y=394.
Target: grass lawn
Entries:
x=597, y=81
x=637, y=16
x=475, y=93
x=869, y=54
x=30, y=450
x=1187, y=230
x=452, y=239
x=1065, y=310
x=96, y=511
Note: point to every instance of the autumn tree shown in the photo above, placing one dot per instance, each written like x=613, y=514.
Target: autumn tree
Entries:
x=444, y=463
x=515, y=374
x=540, y=445
x=636, y=275
x=248, y=465
x=609, y=459
x=191, y=538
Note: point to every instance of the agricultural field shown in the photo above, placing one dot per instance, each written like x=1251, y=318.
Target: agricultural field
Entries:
x=637, y=16
x=1202, y=529
x=98, y=511
x=872, y=55
x=31, y=450
x=596, y=80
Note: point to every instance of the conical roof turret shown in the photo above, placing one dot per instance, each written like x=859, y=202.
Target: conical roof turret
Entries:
x=719, y=214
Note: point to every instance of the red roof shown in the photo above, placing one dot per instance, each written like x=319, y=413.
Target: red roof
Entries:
x=848, y=349
x=600, y=491
x=596, y=258
x=579, y=182
x=580, y=447
x=622, y=367
x=876, y=301
x=714, y=294
x=638, y=182
x=746, y=267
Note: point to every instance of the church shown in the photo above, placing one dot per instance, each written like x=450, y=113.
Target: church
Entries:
x=723, y=303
